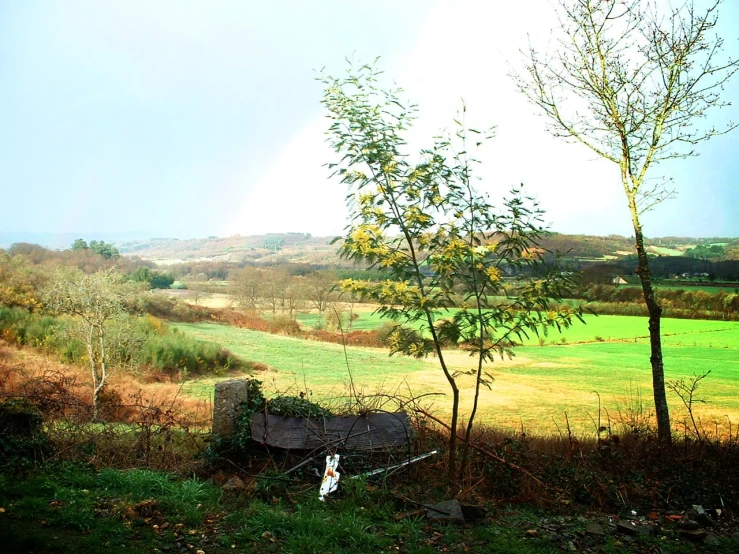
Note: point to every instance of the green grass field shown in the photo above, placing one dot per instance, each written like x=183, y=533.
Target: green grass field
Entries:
x=535, y=389
x=665, y=251
x=612, y=327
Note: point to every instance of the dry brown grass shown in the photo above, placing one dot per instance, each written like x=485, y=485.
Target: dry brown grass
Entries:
x=145, y=424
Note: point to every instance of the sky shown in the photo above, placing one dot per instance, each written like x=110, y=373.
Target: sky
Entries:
x=187, y=119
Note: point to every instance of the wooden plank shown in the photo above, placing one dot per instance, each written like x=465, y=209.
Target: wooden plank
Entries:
x=371, y=431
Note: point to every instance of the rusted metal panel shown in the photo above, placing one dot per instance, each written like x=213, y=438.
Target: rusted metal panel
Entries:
x=370, y=431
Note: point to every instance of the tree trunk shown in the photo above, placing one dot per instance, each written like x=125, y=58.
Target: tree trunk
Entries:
x=94, y=371
x=664, y=430
x=452, y=455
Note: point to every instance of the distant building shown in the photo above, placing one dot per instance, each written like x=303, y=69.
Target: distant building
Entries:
x=618, y=281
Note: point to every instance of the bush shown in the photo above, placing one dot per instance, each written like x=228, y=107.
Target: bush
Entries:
x=132, y=341
x=283, y=325
x=384, y=332
x=166, y=308
x=296, y=406
x=176, y=353
x=21, y=437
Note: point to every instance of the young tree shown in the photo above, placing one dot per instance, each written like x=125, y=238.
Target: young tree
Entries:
x=633, y=85
x=92, y=301
x=425, y=224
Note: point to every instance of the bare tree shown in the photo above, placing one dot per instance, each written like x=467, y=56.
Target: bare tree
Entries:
x=292, y=296
x=246, y=285
x=634, y=85
x=276, y=282
x=93, y=301
x=318, y=288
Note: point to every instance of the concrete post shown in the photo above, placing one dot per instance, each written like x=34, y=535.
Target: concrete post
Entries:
x=228, y=396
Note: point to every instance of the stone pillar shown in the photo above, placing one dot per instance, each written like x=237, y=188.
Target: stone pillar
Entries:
x=228, y=396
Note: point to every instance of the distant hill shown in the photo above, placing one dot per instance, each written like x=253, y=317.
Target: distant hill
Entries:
x=269, y=248
x=276, y=248
x=60, y=241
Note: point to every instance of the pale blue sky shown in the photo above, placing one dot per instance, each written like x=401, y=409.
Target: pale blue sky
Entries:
x=188, y=119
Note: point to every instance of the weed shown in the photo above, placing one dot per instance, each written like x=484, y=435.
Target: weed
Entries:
x=296, y=406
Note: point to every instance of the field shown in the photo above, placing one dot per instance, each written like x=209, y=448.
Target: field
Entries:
x=665, y=251
x=608, y=358
x=693, y=286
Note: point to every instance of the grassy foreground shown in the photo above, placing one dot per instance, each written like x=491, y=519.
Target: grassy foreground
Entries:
x=606, y=360
x=70, y=508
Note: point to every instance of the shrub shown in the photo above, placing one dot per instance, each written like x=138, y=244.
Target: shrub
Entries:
x=384, y=332
x=176, y=353
x=284, y=326
x=21, y=438
x=296, y=406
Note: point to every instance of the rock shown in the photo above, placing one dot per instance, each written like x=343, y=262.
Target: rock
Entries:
x=627, y=527
x=234, y=484
x=735, y=536
x=695, y=535
x=228, y=396
x=532, y=533
x=449, y=510
x=712, y=540
x=689, y=525
x=595, y=530
x=645, y=530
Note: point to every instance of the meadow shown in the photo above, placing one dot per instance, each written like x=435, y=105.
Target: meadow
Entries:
x=591, y=373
